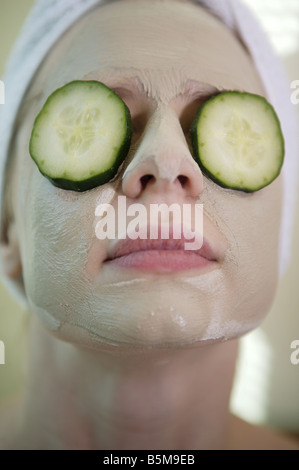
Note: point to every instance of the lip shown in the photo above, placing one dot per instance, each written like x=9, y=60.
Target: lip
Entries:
x=160, y=255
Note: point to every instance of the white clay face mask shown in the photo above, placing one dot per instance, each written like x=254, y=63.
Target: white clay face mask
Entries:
x=161, y=80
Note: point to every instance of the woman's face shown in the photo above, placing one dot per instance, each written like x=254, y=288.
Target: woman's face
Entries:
x=164, y=59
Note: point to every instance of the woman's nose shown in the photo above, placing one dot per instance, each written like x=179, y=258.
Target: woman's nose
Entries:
x=163, y=161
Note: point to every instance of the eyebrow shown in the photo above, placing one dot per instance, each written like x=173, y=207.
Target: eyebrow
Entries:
x=196, y=89
x=128, y=84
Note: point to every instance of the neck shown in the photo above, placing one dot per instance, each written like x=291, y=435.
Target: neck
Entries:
x=81, y=399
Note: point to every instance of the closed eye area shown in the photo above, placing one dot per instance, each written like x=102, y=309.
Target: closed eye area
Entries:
x=81, y=135
x=86, y=129
x=237, y=141
x=142, y=104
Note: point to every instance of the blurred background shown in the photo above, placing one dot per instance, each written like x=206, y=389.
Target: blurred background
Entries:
x=267, y=383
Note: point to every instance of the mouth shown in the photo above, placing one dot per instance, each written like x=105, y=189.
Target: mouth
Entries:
x=160, y=255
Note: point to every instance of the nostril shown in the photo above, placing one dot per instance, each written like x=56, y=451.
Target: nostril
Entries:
x=145, y=179
x=183, y=180
x=147, y=176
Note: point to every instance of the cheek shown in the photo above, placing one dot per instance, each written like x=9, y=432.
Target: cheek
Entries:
x=256, y=226
x=58, y=230
x=251, y=223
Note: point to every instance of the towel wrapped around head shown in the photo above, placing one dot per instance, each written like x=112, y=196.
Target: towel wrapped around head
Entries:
x=49, y=19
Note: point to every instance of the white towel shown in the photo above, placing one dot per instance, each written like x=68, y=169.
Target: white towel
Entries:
x=50, y=18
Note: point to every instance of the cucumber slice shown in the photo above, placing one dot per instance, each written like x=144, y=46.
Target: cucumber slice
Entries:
x=81, y=135
x=237, y=141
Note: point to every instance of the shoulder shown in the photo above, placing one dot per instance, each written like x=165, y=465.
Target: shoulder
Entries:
x=246, y=436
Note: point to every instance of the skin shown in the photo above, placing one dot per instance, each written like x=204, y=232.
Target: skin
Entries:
x=111, y=320
x=163, y=105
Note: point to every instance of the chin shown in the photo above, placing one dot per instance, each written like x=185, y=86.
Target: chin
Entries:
x=136, y=314
x=156, y=328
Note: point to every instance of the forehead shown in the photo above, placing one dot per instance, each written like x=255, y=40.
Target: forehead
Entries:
x=164, y=44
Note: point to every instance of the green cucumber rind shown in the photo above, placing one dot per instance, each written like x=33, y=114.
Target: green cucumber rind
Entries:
x=195, y=143
x=100, y=178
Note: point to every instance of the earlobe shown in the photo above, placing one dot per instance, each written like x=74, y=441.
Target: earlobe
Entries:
x=10, y=253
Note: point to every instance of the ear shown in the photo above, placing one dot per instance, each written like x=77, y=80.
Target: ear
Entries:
x=10, y=251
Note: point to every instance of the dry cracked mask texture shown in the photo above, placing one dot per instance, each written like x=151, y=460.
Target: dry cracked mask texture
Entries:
x=163, y=59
